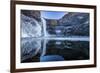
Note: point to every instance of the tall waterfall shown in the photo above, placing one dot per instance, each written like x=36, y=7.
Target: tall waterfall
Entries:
x=44, y=26
x=44, y=35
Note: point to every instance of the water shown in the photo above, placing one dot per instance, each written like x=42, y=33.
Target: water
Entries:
x=33, y=49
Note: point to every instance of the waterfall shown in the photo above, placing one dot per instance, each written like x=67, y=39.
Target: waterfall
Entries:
x=44, y=35
x=44, y=26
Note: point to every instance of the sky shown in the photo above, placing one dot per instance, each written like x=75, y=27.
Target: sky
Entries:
x=52, y=14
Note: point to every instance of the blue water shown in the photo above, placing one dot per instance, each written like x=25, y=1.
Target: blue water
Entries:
x=70, y=48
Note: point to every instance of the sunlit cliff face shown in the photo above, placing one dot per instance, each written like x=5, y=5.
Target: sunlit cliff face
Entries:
x=30, y=27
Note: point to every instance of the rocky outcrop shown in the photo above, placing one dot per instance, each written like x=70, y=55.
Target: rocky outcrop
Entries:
x=78, y=22
x=30, y=24
x=71, y=24
x=32, y=13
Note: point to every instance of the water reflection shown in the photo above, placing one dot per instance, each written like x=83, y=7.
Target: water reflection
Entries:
x=40, y=50
x=30, y=48
x=69, y=50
